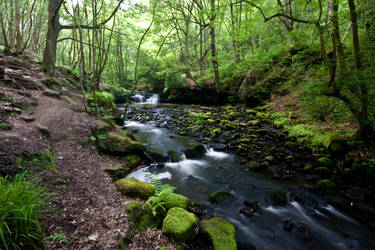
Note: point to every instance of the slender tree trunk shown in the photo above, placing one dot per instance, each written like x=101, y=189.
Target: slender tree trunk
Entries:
x=215, y=63
x=336, y=39
x=366, y=130
x=11, y=25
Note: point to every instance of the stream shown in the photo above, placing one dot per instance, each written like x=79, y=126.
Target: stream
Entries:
x=325, y=226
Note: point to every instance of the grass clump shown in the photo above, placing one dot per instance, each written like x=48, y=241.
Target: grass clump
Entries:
x=22, y=200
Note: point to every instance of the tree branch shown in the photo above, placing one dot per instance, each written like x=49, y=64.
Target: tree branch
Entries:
x=94, y=26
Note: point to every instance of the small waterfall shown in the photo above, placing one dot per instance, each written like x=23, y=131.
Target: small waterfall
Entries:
x=145, y=98
x=138, y=98
x=154, y=99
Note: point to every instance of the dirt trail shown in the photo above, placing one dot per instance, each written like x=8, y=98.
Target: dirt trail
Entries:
x=85, y=205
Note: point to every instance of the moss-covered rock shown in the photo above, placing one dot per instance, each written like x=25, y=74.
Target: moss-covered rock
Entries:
x=134, y=188
x=219, y=196
x=196, y=152
x=53, y=84
x=323, y=171
x=179, y=224
x=115, y=143
x=43, y=129
x=132, y=160
x=157, y=157
x=221, y=232
x=325, y=185
x=101, y=127
x=290, y=144
x=269, y=158
x=51, y=93
x=174, y=200
x=278, y=197
x=136, y=215
x=116, y=173
x=215, y=132
x=325, y=161
x=173, y=156
x=308, y=167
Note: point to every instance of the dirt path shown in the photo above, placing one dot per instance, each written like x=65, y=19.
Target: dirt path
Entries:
x=85, y=205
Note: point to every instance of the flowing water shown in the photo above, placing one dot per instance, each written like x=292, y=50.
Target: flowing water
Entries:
x=196, y=179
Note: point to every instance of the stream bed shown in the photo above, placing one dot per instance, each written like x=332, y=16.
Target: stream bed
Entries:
x=317, y=224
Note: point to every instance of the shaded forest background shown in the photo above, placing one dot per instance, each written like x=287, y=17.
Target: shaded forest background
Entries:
x=314, y=59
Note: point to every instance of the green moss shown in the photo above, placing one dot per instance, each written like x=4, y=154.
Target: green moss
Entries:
x=323, y=171
x=132, y=160
x=116, y=173
x=114, y=143
x=325, y=184
x=227, y=125
x=221, y=232
x=134, y=188
x=174, y=200
x=182, y=132
x=219, y=196
x=325, y=161
x=136, y=215
x=173, y=156
x=269, y=158
x=290, y=144
x=5, y=126
x=307, y=167
x=215, y=132
x=278, y=197
x=179, y=224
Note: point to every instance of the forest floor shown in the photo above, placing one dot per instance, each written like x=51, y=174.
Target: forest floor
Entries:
x=85, y=205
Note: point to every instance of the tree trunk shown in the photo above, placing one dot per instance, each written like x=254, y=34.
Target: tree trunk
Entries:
x=366, y=130
x=49, y=55
x=336, y=39
x=215, y=63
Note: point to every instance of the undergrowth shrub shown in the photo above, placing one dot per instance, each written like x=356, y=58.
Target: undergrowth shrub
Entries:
x=104, y=99
x=22, y=200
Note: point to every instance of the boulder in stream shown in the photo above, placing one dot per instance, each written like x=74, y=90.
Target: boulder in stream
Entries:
x=325, y=185
x=278, y=197
x=173, y=156
x=221, y=232
x=196, y=152
x=219, y=196
x=179, y=224
x=135, y=188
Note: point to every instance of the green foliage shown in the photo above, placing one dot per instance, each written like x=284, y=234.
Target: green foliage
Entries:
x=104, y=99
x=43, y=160
x=120, y=94
x=155, y=201
x=22, y=200
x=59, y=237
